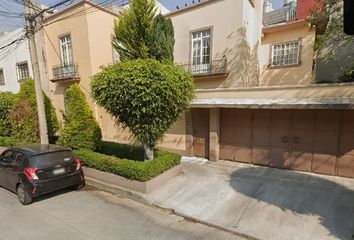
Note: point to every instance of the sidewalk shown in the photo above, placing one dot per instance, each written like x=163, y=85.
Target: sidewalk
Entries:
x=261, y=202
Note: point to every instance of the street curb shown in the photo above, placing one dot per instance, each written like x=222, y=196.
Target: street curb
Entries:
x=206, y=223
x=111, y=188
x=144, y=199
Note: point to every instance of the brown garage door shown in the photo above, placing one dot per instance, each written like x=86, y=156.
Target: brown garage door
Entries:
x=319, y=141
x=200, y=122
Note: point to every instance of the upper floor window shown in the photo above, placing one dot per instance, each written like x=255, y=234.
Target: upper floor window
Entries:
x=22, y=71
x=66, y=50
x=285, y=54
x=2, y=78
x=201, y=58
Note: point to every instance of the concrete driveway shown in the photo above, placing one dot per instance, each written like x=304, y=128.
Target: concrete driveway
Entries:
x=262, y=202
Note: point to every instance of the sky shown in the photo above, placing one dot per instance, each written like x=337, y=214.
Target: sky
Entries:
x=8, y=24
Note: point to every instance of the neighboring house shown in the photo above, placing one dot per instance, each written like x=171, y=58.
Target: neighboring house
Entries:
x=77, y=43
x=255, y=97
x=15, y=62
x=260, y=105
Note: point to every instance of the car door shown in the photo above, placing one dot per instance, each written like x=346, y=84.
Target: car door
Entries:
x=14, y=169
x=5, y=159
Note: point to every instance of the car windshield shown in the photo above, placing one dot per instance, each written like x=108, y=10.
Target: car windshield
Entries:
x=51, y=159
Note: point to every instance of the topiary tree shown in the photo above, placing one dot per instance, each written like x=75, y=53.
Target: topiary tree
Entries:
x=80, y=128
x=6, y=102
x=23, y=122
x=144, y=95
x=163, y=41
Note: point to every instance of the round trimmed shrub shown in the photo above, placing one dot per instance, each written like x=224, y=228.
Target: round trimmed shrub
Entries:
x=144, y=95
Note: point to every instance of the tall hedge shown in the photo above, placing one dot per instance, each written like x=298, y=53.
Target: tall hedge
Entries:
x=80, y=128
x=24, y=116
x=6, y=102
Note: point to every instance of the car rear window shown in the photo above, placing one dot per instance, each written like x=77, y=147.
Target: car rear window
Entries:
x=52, y=159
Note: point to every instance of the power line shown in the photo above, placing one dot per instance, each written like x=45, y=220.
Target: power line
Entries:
x=88, y=10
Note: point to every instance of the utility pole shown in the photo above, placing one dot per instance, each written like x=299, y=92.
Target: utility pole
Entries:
x=31, y=22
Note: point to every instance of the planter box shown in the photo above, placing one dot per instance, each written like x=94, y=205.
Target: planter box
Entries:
x=142, y=187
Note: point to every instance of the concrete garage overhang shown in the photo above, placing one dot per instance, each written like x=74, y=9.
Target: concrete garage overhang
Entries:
x=275, y=103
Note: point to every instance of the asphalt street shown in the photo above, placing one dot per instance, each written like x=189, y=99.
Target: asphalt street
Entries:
x=92, y=214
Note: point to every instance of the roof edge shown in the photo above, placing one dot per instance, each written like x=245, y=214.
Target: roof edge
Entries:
x=78, y=4
x=191, y=7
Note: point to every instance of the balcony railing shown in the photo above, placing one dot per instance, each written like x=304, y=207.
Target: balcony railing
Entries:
x=215, y=67
x=65, y=71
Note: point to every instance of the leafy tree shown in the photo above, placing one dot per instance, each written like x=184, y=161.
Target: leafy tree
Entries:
x=80, y=128
x=329, y=23
x=133, y=30
x=25, y=123
x=163, y=41
x=146, y=96
x=6, y=102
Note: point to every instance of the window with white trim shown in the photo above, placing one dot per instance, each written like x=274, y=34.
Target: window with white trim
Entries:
x=285, y=54
x=22, y=71
x=2, y=78
x=66, y=50
x=201, y=42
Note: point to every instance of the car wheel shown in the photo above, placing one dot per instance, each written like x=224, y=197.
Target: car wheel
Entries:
x=23, y=196
x=78, y=187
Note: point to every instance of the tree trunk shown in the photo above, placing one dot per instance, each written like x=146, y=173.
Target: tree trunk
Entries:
x=148, y=152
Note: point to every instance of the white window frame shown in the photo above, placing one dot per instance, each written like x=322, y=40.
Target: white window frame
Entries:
x=202, y=66
x=20, y=72
x=65, y=44
x=2, y=77
x=286, y=47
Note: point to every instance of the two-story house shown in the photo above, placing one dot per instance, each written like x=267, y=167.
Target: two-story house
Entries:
x=15, y=61
x=256, y=98
x=256, y=101
x=77, y=43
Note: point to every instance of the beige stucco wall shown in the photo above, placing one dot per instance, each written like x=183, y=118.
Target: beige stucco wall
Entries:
x=233, y=35
x=301, y=74
x=76, y=26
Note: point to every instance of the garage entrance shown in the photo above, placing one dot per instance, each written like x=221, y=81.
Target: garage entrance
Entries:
x=320, y=141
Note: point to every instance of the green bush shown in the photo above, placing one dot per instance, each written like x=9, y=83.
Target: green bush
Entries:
x=80, y=128
x=7, y=100
x=9, y=141
x=134, y=170
x=24, y=120
x=144, y=95
x=24, y=116
x=121, y=150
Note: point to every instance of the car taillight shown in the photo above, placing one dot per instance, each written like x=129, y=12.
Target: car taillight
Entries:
x=78, y=164
x=30, y=173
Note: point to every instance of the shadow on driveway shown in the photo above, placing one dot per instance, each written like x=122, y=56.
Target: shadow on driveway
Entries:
x=300, y=193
